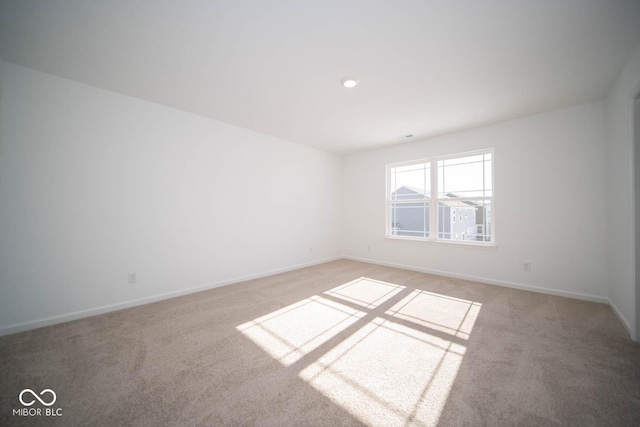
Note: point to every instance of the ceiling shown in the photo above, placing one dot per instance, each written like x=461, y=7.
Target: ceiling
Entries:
x=426, y=67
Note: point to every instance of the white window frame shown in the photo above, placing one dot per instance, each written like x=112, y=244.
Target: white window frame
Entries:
x=433, y=201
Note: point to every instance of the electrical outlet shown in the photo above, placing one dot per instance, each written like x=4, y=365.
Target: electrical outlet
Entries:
x=369, y=248
x=526, y=266
x=133, y=277
x=310, y=249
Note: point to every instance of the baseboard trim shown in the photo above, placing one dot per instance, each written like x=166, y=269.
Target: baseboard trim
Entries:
x=506, y=284
x=62, y=318
x=53, y=320
x=621, y=318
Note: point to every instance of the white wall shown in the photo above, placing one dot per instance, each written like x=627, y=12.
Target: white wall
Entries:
x=636, y=186
x=94, y=185
x=1, y=75
x=619, y=141
x=549, y=175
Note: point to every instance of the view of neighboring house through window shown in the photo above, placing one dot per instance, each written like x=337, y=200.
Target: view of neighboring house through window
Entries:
x=409, y=201
x=450, y=194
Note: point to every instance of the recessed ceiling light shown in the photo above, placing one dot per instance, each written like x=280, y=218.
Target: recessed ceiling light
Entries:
x=349, y=82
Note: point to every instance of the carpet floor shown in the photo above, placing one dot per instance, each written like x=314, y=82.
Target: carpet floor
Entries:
x=342, y=343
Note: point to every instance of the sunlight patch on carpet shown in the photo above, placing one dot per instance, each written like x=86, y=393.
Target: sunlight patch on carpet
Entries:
x=290, y=333
x=366, y=292
x=439, y=312
x=386, y=353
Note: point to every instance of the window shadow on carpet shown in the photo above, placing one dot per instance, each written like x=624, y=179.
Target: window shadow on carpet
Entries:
x=386, y=353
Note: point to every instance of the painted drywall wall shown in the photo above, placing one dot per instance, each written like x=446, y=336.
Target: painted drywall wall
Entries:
x=636, y=188
x=94, y=185
x=619, y=142
x=548, y=175
x=1, y=73
x=636, y=184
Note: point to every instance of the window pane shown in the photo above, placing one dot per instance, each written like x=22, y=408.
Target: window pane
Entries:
x=410, y=182
x=468, y=176
x=410, y=219
x=472, y=221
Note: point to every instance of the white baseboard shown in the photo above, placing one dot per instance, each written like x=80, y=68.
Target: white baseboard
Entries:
x=621, y=318
x=33, y=324
x=576, y=295
x=506, y=284
x=38, y=323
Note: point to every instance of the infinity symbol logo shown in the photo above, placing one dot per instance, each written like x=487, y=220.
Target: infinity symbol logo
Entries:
x=46, y=390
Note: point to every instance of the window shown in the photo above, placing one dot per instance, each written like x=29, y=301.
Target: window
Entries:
x=426, y=199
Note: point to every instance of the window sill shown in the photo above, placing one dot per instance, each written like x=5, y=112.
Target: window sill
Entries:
x=462, y=244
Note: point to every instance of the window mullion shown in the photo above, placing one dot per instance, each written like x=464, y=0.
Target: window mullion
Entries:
x=433, y=204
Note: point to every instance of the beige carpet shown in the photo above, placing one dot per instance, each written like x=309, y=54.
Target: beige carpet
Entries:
x=343, y=343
